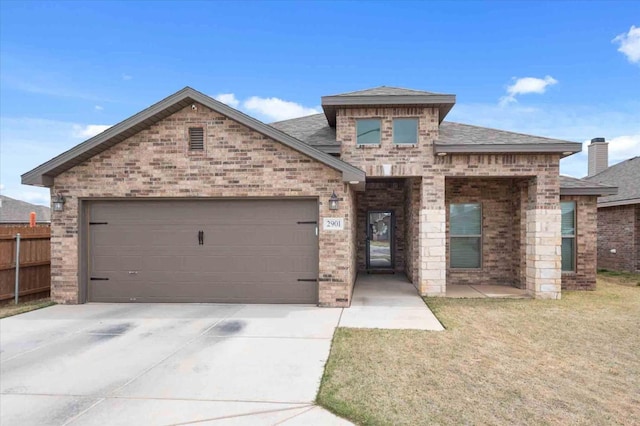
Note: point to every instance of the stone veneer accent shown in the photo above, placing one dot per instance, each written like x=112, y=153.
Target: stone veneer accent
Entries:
x=584, y=277
x=619, y=229
x=236, y=162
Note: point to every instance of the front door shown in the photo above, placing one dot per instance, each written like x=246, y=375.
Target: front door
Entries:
x=380, y=240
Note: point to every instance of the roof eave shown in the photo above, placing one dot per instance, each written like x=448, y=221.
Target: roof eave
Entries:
x=619, y=202
x=600, y=191
x=565, y=148
x=443, y=102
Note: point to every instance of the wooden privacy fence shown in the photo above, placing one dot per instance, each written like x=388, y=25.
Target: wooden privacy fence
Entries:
x=35, y=262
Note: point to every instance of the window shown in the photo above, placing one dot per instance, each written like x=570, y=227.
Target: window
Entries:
x=368, y=132
x=568, y=209
x=405, y=131
x=465, y=244
x=196, y=138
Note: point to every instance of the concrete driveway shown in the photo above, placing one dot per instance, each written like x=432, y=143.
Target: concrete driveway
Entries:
x=165, y=364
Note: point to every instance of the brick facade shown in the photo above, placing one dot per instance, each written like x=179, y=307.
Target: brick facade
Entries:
x=236, y=162
x=520, y=195
x=619, y=229
x=584, y=277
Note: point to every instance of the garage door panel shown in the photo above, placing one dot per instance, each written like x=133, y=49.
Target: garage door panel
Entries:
x=253, y=251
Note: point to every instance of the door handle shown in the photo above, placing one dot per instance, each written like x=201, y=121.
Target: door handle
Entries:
x=200, y=238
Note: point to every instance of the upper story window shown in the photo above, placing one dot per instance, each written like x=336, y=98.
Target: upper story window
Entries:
x=368, y=131
x=465, y=229
x=568, y=235
x=405, y=131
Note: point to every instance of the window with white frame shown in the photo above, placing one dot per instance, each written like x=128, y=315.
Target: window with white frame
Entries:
x=568, y=209
x=405, y=131
x=368, y=131
x=465, y=236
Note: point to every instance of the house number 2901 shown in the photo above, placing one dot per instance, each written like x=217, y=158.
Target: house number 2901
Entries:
x=333, y=224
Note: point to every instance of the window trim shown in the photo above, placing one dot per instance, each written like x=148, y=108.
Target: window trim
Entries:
x=393, y=131
x=379, y=120
x=574, y=237
x=480, y=237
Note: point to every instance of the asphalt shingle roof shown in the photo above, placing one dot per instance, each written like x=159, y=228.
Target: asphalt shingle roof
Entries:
x=467, y=134
x=312, y=129
x=568, y=182
x=315, y=130
x=386, y=91
x=16, y=211
x=624, y=175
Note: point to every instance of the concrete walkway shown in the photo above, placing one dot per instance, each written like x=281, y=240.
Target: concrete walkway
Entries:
x=388, y=301
x=486, y=291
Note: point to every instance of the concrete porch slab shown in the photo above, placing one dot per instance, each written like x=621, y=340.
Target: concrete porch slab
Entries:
x=388, y=302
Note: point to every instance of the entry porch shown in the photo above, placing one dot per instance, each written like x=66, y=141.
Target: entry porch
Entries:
x=483, y=233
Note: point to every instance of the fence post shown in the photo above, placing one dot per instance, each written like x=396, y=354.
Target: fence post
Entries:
x=17, y=289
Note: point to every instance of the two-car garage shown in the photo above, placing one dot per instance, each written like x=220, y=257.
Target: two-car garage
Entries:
x=222, y=250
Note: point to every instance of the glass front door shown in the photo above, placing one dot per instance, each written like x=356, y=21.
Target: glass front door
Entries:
x=380, y=240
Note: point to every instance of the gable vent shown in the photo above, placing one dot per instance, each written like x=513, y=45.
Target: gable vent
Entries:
x=196, y=139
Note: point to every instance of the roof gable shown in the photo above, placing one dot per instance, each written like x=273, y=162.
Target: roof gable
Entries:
x=44, y=174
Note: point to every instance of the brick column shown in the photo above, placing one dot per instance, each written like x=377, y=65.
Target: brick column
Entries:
x=432, y=234
x=543, y=238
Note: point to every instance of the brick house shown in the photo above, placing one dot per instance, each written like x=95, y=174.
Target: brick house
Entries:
x=618, y=214
x=191, y=200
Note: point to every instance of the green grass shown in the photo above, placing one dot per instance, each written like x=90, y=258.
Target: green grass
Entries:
x=503, y=362
x=9, y=310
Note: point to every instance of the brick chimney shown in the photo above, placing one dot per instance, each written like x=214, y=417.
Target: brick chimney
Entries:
x=598, y=156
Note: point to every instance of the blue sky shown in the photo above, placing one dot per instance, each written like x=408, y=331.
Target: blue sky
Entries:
x=568, y=70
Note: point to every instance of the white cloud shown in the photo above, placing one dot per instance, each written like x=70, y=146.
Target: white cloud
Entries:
x=127, y=77
x=228, y=98
x=623, y=147
x=88, y=131
x=526, y=85
x=277, y=109
x=98, y=108
x=629, y=44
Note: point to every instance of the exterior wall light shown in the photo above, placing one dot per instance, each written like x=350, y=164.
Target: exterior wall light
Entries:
x=333, y=201
x=58, y=202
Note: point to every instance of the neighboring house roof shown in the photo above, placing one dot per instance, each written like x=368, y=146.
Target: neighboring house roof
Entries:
x=17, y=211
x=43, y=175
x=574, y=186
x=453, y=138
x=387, y=96
x=624, y=175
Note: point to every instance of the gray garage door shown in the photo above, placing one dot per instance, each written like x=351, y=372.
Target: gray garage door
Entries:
x=231, y=251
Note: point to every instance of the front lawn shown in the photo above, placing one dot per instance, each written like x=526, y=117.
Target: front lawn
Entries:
x=573, y=361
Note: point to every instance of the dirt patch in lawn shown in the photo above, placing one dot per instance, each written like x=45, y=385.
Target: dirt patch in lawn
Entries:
x=532, y=362
x=9, y=310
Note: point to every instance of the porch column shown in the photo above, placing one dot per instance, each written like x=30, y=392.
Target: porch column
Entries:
x=543, y=238
x=432, y=242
